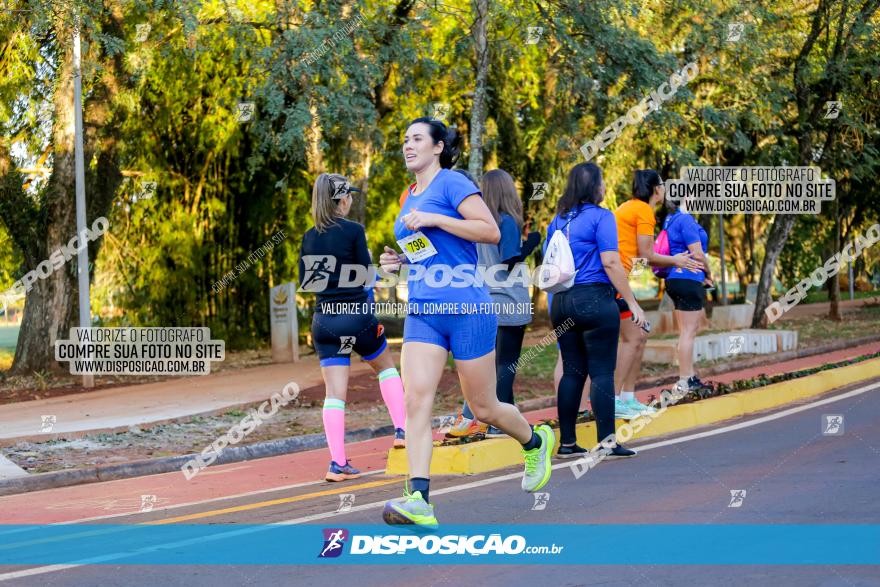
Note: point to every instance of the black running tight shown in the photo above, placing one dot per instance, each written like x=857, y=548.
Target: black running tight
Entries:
x=589, y=322
x=508, y=344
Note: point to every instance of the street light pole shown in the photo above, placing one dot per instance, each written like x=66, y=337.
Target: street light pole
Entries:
x=723, y=267
x=85, y=314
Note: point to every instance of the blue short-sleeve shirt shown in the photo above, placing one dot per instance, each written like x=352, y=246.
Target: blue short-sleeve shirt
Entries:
x=591, y=231
x=683, y=230
x=443, y=195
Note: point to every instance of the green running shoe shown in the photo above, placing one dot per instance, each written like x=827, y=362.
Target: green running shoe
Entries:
x=640, y=408
x=538, y=466
x=623, y=410
x=410, y=509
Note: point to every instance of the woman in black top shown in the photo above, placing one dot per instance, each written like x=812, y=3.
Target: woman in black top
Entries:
x=332, y=255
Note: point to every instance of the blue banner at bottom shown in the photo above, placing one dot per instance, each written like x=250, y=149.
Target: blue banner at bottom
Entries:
x=188, y=544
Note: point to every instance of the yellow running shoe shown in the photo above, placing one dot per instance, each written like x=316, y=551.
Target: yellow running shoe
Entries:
x=466, y=427
x=538, y=466
x=412, y=510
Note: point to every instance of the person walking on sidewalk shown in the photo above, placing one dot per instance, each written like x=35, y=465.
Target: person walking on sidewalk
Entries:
x=344, y=321
x=499, y=192
x=635, y=237
x=685, y=288
x=438, y=227
x=589, y=346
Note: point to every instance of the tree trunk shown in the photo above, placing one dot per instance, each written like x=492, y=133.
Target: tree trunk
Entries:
x=50, y=306
x=315, y=155
x=782, y=225
x=750, y=247
x=478, y=111
x=834, y=282
x=358, y=211
x=49, y=310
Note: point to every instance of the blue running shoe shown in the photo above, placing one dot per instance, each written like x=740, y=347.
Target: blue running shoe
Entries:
x=399, y=438
x=341, y=472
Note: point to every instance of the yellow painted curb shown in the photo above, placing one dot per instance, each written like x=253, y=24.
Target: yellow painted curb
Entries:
x=498, y=453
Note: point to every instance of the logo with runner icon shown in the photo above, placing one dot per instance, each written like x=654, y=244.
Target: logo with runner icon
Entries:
x=346, y=500
x=48, y=422
x=148, y=502
x=346, y=344
x=832, y=424
x=441, y=111
x=318, y=269
x=541, y=500
x=735, y=32
x=539, y=190
x=639, y=266
x=245, y=111
x=533, y=34
x=334, y=541
x=737, y=497
x=340, y=188
x=735, y=344
x=832, y=109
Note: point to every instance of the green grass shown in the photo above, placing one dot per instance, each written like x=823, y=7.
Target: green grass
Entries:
x=856, y=324
x=8, y=340
x=8, y=337
x=538, y=361
x=819, y=296
x=539, y=364
x=6, y=357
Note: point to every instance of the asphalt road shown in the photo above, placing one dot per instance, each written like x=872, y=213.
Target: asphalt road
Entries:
x=791, y=473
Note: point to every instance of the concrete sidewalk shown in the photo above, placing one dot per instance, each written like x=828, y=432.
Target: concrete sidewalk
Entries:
x=118, y=408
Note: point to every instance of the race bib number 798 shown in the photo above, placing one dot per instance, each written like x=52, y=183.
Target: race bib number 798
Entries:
x=417, y=247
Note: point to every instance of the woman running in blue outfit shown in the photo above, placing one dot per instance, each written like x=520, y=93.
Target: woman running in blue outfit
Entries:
x=438, y=227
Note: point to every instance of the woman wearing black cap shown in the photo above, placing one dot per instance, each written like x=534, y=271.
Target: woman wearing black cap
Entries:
x=344, y=321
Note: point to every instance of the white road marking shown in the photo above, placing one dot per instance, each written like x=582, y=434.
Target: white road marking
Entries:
x=465, y=486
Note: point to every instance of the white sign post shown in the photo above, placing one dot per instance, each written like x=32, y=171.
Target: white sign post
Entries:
x=82, y=262
x=285, y=333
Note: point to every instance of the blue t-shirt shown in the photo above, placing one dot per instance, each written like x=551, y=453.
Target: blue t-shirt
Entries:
x=592, y=230
x=443, y=195
x=682, y=231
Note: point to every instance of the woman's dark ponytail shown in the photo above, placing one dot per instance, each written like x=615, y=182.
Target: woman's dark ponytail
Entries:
x=451, y=149
x=644, y=182
x=450, y=137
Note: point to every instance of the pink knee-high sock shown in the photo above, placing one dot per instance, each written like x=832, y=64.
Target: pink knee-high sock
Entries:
x=334, y=429
x=392, y=392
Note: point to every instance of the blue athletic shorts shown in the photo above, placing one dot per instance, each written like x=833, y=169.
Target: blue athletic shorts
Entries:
x=335, y=336
x=467, y=336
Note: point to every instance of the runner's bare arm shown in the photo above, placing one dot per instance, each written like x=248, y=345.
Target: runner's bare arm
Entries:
x=696, y=250
x=614, y=271
x=682, y=260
